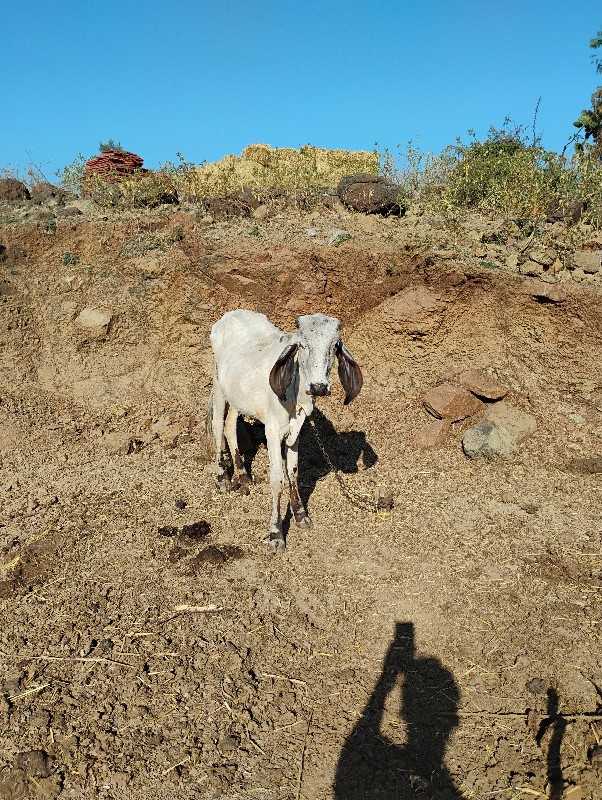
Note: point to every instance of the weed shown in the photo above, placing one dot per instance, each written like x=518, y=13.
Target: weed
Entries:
x=69, y=259
x=71, y=176
x=255, y=231
x=176, y=234
x=141, y=244
x=49, y=225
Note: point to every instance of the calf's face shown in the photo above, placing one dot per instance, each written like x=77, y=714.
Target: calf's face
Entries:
x=316, y=342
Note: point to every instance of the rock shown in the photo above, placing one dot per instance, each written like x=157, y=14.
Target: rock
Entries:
x=34, y=763
x=117, y=443
x=545, y=256
x=573, y=793
x=537, y=685
x=512, y=261
x=223, y=208
x=433, y=435
x=48, y=193
x=454, y=403
x=532, y=268
x=546, y=292
x=482, y=384
x=486, y=439
x=498, y=433
x=261, y=213
x=112, y=166
x=337, y=237
x=13, y=191
x=370, y=194
x=68, y=211
x=519, y=424
x=590, y=262
x=572, y=212
x=247, y=196
x=94, y=322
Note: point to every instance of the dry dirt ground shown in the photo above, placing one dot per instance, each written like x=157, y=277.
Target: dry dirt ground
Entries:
x=447, y=648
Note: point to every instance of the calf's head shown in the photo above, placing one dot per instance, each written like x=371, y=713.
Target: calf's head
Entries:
x=313, y=347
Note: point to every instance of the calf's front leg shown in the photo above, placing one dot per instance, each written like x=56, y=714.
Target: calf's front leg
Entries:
x=301, y=516
x=274, y=442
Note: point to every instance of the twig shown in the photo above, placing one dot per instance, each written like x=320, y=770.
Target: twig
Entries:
x=173, y=766
x=28, y=692
x=283, y=678
x=302, y=762
x=185, y=609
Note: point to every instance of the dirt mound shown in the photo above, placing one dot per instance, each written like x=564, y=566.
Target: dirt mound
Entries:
x=446, y=646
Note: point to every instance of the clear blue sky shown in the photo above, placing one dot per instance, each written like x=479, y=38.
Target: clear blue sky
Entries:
x=208, y=78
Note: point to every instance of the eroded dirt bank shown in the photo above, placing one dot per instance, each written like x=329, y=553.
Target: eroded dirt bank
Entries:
x=448, y=648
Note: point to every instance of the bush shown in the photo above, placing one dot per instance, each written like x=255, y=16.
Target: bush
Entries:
x=508, y=174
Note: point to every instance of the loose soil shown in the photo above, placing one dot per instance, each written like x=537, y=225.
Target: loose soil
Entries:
x=150, y=646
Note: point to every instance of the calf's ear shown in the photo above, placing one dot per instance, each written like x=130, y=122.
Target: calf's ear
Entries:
x=283, y=371
x=350, y=374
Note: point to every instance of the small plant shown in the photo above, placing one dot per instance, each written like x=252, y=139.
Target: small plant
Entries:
x=254, y=231
x=110, y=145
x=69, y=259
x=71, y=176
x=49, y=225
x=176, y=234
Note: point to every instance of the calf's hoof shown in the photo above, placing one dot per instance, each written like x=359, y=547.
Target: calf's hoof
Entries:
x=224, y=484
x=303, y=521
x=276, y=543
x=242, y=483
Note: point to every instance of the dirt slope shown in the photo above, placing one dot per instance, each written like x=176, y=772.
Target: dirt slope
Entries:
x=447, y=648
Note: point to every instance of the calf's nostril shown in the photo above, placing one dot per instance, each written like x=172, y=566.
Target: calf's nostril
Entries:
x=318, y=389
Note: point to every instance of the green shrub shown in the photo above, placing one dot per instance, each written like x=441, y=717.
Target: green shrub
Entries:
x=69, y=259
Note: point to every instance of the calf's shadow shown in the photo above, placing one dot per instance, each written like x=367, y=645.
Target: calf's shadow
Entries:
x=346, y=451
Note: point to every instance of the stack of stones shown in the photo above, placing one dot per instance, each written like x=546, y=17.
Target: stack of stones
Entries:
x=113, y=165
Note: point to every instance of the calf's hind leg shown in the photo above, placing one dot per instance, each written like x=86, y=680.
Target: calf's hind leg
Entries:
x=240, y=479
x=217, y=424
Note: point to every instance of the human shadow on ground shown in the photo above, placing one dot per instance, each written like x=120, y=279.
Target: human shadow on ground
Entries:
x=556, y=721
x=371, y=765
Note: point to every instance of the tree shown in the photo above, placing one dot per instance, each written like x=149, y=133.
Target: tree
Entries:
x=590, y=119
x=595, y=43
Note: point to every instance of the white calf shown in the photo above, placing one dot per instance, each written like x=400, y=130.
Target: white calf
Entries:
x=271, y=376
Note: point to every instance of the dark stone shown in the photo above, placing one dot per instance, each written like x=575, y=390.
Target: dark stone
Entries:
x=47, y=192
x=13, y=191
x=247, y=197
x=222, y=208
x=68, y=211
x=168, y=530
x=572, y=212
x=370, y=194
